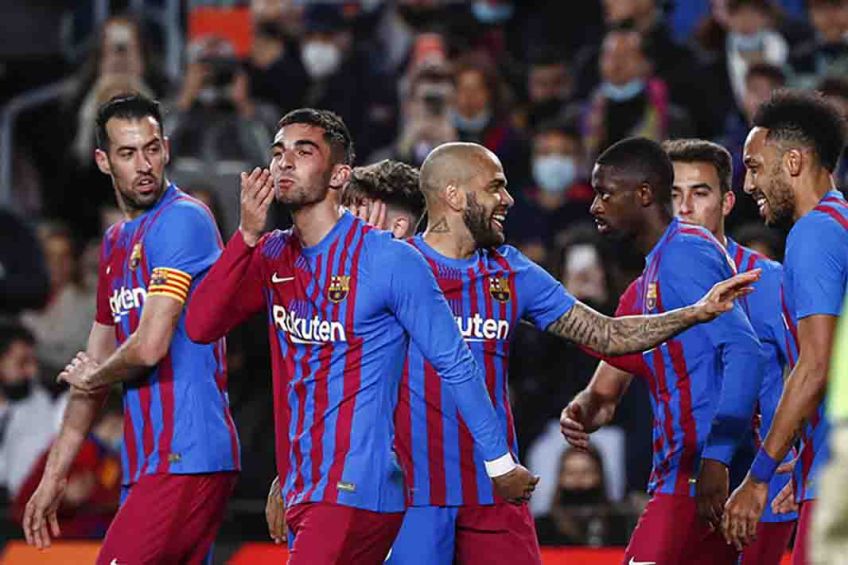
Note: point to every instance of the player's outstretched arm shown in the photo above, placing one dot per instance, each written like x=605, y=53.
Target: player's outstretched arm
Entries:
x=40, y=521
x=802, y=393
x=629, y=334
x=594, y=406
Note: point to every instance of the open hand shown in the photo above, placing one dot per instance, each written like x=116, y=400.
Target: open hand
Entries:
x=721, y=296
x=275, y=513
x=41, y=511
x=742, y=512
x=257, y=193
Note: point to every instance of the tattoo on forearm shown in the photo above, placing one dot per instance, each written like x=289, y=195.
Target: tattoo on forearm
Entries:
x=440, y=226
x=619, y=336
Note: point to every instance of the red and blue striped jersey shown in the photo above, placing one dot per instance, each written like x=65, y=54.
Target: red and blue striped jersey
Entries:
x=703, y=384
x=176, y=418
x=815, y=274
x=341, y=314
x=488, y=293
x=764, y=311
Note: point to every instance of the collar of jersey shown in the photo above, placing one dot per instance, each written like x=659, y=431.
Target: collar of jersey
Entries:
x=169, y=192
x=341, y=226
x=471, y=262
x=672, y=227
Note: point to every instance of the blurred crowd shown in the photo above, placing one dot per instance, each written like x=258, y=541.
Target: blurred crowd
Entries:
x=547, y=85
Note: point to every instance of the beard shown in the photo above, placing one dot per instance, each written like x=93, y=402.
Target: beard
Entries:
x=140, y=202
x=300, y=196
x=779, y=198
x=479, y=223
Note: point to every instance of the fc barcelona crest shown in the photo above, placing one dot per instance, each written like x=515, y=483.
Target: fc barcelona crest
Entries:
x=651, y=296
x=339, y=287
x=135, y=256
x=499, y=288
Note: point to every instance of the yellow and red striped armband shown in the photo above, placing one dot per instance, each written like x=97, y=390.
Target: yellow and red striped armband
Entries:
x=169, y=282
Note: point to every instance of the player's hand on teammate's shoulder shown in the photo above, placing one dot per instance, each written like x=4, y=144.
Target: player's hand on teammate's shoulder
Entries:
x=40, y=520
x=516, y=486
x=257, y=193
x=721, y=296
x=275, y=513
x=79, y=372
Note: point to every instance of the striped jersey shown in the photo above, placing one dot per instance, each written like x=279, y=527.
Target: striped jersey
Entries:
x=815, y=273
x=176, y=418
x=764, y=311
x=703, y=384
x=341, y=314
x=488, y=293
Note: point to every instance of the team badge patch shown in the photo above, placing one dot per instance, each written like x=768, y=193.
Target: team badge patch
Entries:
x=158, y=276
x=499, y=288
x=651, y=296
x=135, y=256
x=339, y=287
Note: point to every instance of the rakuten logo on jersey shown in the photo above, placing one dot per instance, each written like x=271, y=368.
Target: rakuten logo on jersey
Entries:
x=309, y=331
x=477, y=328
x=125, y=299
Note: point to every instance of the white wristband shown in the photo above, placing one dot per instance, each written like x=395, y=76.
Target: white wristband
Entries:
x=500, y=466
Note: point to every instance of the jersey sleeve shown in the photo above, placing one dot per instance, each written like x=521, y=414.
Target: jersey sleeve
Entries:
x=181, y=246
x=417, y=302
x=765, y=307
x=103, y=312
x=687, y=272
x=547, y=299
x=815, y=257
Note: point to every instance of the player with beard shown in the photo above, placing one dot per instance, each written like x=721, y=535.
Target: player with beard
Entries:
x=180, y=451
x=343, y=302
x=703, y=383
x=454, y=514
x=790, y=155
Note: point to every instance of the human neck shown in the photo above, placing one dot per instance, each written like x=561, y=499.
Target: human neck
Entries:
x=450, y=236
x=313, y=222
x=811, y=191
x=656, y=222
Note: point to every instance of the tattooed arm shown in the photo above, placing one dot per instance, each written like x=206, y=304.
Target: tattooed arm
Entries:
x=629, y=334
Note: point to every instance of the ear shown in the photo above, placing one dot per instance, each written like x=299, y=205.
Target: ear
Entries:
x=728, y=201
x=339, y=177
x=793, y=161
x=400, y=227
x=645, y=195
x=455, y=197
x=102, y=160
x=166, y=145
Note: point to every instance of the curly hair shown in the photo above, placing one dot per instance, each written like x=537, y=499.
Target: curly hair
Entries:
x=804, y=118
x=393, y=182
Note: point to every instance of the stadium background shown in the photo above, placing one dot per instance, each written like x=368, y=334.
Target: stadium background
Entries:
x=547, y=85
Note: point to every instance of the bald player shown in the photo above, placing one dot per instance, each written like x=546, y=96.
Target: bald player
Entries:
x=453, y=514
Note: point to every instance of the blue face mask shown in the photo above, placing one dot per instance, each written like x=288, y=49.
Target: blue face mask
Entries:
x=474, y=124
x=491, y=14
x=747, y=43
x=623, y=92
x=554, y=173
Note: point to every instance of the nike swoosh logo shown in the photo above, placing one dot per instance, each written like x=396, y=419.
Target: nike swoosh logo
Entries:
x=276, y=280
x=113, y=562
x=634, y=562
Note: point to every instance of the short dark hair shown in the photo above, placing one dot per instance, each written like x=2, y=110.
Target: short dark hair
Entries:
x=568, y=128
x=336, y=133
x=643, y=159
x=834, y=86
x=12, y=332
x=393, y=182
x=125, y=106
x=805, y=118
x=702, y=151
x=767, y=71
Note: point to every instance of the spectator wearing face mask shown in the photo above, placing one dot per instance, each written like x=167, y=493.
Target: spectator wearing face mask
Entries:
x=581, y=513
x=558, y=196
x=27, y=413
x=548, y=88
x=630, y=100
x=343, y=78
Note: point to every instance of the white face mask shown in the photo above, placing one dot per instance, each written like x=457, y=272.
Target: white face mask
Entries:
x=320, y=59
x=554, y=173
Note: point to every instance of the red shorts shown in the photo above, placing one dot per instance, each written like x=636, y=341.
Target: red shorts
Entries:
x=168, y=519
x=800, y=553
x=501, y=533
x=669, y=531
x=332, y=533
x=770, y=545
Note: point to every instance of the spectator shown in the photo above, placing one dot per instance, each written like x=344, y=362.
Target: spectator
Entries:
x=558, y=196
x=27, y=413
x=630, y=100
x=835, y=89
x=480, y=115
x=586, y=269
x=343, y=79
x=826, y=53
x=94, y=479
x=581, y=513
x=548, y=88
x=24, y=281
x=62, y=326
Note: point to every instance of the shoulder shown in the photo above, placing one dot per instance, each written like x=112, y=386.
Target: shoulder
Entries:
x=694, y=244
x=822, y=221
x=185, y=208
x=272, y=243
